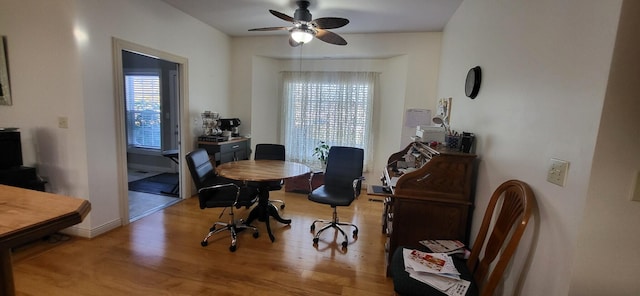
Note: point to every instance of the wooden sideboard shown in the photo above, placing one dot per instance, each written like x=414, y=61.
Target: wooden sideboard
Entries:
x=300, y=184
x=432, y=199
x=236, y=149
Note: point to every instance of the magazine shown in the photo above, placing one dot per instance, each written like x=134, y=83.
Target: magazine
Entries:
x=436, y=270
x=443, y=246
x=435, y=263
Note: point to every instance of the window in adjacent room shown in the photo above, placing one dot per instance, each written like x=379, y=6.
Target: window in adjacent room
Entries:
x=334, y=107
x=142, y=94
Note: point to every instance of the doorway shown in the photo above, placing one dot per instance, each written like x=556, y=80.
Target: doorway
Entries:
x=150, y=104
x=152, y=126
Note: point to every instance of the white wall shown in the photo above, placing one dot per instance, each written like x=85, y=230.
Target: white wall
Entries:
x=45, y=70
x=264, y=86
x=545, y=68
x=55, y=74
x=408, y=64
x=609, y=237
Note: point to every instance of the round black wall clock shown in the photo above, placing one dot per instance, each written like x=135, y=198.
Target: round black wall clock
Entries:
x=472, y=84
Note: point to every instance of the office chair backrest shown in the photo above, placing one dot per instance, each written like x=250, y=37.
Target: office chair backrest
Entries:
x=344, y=164
x=516, y=199
x=200, y=167
x=270, y=152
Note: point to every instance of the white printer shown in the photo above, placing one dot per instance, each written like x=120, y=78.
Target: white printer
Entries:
x=430, y=133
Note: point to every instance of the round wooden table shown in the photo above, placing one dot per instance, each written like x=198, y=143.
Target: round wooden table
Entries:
x=262, y=172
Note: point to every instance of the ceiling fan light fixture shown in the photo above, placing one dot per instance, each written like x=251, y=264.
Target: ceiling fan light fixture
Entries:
x=302, y=35
x=305, y=28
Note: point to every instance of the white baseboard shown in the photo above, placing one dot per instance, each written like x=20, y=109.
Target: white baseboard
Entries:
x=91, y=233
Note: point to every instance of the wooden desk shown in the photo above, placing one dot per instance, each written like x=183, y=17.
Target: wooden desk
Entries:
x=434, y=201
x=27, y=215
x=263, y=171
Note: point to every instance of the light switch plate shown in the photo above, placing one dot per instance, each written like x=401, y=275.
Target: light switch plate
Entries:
x=557, y=173
x=63, y=122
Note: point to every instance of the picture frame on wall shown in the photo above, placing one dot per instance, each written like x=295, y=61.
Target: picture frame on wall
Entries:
x=5, y=88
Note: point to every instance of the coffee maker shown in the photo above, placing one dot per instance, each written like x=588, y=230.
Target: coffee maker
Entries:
x=230, y=125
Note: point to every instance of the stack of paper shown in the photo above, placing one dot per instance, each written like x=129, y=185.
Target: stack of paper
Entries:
x=436, y=270
x=443, y=246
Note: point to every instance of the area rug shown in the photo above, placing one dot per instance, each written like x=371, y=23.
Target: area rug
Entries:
x=158, y=184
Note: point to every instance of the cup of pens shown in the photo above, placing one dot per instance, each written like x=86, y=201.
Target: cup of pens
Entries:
x=453, y=141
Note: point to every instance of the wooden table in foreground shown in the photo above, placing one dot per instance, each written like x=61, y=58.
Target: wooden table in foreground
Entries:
x=27, y=215
x=263, y=171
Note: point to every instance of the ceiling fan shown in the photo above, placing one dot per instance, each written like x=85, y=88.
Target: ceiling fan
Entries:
x=304, y=28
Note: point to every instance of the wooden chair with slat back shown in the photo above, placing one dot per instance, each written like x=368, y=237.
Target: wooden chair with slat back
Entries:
x=497, y=240
x=517, y=202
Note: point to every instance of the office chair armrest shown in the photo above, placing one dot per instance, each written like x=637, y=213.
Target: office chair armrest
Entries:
x=356, y=181
x=311, y=181
x=222, y=186
x=357, y=185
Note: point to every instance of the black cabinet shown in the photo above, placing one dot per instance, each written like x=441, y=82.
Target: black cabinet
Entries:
x=238, y=149
x=23, y=177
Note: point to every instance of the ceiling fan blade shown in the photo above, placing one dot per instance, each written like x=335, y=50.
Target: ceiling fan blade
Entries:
x=281, y=15
x=269, y=29
x=330, y=37
x=330, y=22
x=293, y=43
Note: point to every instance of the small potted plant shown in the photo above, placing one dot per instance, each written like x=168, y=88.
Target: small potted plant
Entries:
x=321, y=151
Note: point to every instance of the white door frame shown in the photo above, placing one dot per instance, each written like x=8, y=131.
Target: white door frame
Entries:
x=121, y=139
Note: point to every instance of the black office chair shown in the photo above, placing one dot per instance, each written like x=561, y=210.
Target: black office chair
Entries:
x=218, y=192
x=342, y=184
x=271, y=152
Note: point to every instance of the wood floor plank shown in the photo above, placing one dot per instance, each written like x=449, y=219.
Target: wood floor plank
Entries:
x=160, y=254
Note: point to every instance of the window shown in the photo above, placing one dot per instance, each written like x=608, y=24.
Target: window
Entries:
x=142, y=95
x=334, y=107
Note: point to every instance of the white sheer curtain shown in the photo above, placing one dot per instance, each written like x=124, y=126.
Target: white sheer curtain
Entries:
x=334, y=107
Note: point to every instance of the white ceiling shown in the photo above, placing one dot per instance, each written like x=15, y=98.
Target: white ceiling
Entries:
x=235, y=17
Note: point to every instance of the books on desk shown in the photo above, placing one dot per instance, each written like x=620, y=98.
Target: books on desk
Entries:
x=436, y=270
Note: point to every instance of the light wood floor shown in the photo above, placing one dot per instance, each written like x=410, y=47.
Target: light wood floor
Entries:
x=160, y=254
x=142, y=203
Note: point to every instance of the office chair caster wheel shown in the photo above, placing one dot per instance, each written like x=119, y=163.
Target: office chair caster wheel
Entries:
x=344, y=244
x=282, y=206
x=315, y=241
x=204, y=243
x=355, y=233
x=256, y=234
x=232, y=248
x=313, y=227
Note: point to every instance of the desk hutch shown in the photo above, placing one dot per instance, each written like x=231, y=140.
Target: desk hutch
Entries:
x=431, y=200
